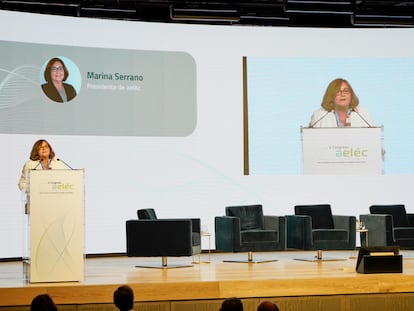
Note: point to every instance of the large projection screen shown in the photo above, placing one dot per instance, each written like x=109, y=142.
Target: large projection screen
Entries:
x=190, y=163
x=284, y=91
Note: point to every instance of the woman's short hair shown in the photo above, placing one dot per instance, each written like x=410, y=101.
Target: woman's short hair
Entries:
x=49, y=66
x=43, y=302
x=232, y=304
x=34, y=154
x=333, y=88
x=124, y=298
x=267, y=305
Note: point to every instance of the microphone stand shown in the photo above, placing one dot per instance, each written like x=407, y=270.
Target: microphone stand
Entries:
x=65, y=163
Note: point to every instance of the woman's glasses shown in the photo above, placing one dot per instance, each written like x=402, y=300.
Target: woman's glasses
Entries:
x=343, y=92
x=59, y=68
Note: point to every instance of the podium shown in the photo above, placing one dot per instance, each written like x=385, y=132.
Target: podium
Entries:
x=351, y=150
x=56, y=226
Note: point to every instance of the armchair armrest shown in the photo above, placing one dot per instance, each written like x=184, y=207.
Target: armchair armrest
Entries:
x=346, y=223
x=277, y=223
x=196, y=235
x=380, y=229
x=299, y=231
x=410, y=218
x=196, y=224
x=271, y=222
x=227, y=230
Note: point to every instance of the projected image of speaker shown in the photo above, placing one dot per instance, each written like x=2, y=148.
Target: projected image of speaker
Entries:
x=381, y=259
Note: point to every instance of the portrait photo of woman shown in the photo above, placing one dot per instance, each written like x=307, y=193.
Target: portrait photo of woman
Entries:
x=55, y=75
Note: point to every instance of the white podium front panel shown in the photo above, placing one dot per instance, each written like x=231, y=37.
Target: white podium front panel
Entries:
x=342, y=150
x=56, y=225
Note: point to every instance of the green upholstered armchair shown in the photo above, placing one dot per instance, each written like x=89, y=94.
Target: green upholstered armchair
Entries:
x=313, y=227
x=244, y=228
x=389, y=225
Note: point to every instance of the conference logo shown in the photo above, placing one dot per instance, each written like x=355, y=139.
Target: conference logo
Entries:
x=349, y=152
x=62, y=187
x=57, y=187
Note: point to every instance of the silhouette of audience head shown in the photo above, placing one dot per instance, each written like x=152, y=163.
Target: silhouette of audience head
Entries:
x=267, y=305
x=232, y=304
x=43, y=302
x=124, y=298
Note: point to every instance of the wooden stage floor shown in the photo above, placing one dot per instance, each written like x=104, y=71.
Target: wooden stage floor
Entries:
x=285, y=277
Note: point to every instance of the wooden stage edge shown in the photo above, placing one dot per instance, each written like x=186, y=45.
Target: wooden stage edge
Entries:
x=286, y=277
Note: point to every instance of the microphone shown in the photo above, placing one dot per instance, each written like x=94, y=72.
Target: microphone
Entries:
x=319, y=120
x=65, y=163
x=40, y=161
x=360, y=115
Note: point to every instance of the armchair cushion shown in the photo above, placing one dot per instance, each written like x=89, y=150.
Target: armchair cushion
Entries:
x=330, y=235
x=398, y=213
x=146, y=213
x=404, y=233
x=251, y=216
x=259, y=236
x=321, y=215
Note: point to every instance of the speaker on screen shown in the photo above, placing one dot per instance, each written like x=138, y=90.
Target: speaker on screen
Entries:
x=384, y=259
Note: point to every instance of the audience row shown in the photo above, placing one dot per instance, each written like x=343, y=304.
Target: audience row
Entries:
x=235, y=304
x=124, y=301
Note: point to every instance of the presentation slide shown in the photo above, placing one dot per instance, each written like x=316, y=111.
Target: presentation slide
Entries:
x=118, y=92
x=154, y=115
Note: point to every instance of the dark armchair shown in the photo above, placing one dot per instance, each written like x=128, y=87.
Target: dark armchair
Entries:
x=389, y=225
x=152, y=237
x=313, y=227
x=246, y=229
x=149, y=213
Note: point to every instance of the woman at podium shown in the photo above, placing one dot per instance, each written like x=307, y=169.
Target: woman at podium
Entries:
x=42, y=157
x=340, y=108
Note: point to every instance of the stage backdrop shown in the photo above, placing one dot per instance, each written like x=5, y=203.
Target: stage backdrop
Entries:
x=157, y=121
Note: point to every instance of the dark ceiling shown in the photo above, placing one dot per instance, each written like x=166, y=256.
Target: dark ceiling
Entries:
x=303, y=13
